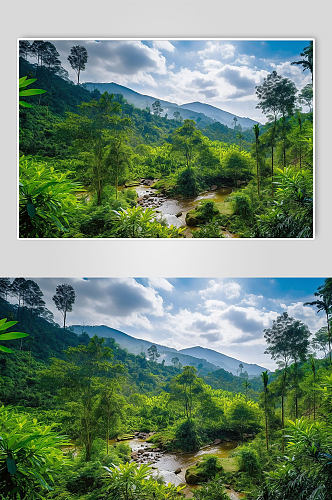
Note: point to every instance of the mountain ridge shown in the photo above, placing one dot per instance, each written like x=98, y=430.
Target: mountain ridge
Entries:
x=211, y=115
x=136, y=346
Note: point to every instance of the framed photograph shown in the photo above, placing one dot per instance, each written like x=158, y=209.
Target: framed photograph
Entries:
x=170, y=388
x=166, y=138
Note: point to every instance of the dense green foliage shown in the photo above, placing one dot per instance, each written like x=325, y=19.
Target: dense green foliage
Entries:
x=81, y=151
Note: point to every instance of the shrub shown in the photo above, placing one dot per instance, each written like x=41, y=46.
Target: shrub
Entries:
x=204, y=470
x=213, y=490
x=205, y=212
x=248, y=461
x=30, y=454
x=186, y=436
x=186, y=183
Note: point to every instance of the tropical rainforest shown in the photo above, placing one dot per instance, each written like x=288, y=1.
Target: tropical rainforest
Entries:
x=92, y=165
x=82, y=418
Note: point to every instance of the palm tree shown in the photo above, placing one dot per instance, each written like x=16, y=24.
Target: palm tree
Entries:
x=265, y=379
x=256, y=131
x=308, y=59
x=324, y=304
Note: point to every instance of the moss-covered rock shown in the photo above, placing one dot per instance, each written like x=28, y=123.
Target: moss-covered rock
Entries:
x=205, y=212
x=204, y=470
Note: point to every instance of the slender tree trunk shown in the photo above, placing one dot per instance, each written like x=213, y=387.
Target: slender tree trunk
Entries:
x=272, y=167
x=107, y=434
x=314, y=397
x=329, y=335
x=64, y=319
x=266, y=424
x=284, y=141
x=257, y=171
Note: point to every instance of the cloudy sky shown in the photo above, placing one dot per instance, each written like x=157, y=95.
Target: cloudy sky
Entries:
x=222, y=73
x=228, y=315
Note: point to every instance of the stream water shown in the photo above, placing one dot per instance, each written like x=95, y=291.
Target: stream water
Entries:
x=167, y=463
x=174, y=210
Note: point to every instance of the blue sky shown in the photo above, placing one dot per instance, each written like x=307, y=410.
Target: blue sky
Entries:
x=228, y=315
x=222, y=73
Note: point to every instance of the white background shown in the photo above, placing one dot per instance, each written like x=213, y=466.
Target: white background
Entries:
x=166, y=18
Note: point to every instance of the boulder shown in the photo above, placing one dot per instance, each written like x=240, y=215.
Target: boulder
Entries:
x=179, y=214
x=178, y=470
x=214, y=187
x=204, y=470
x=217, y=441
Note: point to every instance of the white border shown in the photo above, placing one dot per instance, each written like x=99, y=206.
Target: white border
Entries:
x=169, y=39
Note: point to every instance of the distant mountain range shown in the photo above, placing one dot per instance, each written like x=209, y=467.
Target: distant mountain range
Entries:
x=207, y=360
x=204, y=114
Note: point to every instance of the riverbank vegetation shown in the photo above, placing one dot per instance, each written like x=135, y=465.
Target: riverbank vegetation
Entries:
x=83, y=153
x=71, y=404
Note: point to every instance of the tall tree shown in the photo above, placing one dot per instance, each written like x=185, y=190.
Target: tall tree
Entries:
x=314, y=373
x=277, y=97
x=187, y=141
x=24, y=48
x=156, y=108
x=78, y=58
x=287, y=340
x=186, y=388
x=320, y=340
x=117, y=157
x=17, y=290
x=256, y=132
x=324, y=303
x=64, y=299
x=37, y=50
x=5, y=285
x=91, y=133
x=153, y=353
x=307, y=61
x=265, y=379
x=306, y=96
x=50, y=57
x=78, y=379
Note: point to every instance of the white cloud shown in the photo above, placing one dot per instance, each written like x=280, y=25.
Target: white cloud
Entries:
x=306, y=314
x=124, y=61
x=114, y=302
x=164, y=45
x=161, y=283
x=217, y=49
x=229, y=289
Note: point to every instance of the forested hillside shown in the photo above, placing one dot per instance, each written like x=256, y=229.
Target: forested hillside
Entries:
x=93, y=165
x=82, y=418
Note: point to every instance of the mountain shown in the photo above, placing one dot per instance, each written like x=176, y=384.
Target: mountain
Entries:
x=221, y=360
x=203, y=114
x=219, y=115
x=193, y=356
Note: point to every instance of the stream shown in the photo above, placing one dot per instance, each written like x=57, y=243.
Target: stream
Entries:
x=167, y=463
x=174, y=210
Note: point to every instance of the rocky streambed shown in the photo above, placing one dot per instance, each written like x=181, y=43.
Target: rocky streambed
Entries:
x=172, y=466
x=174, y=210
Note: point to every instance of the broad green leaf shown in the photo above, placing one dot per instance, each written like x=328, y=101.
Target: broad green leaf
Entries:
x=25, y=104
x=32, y=92
x=12, y=335
x=25, y=83
x=5, y=325
x=5, y=349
